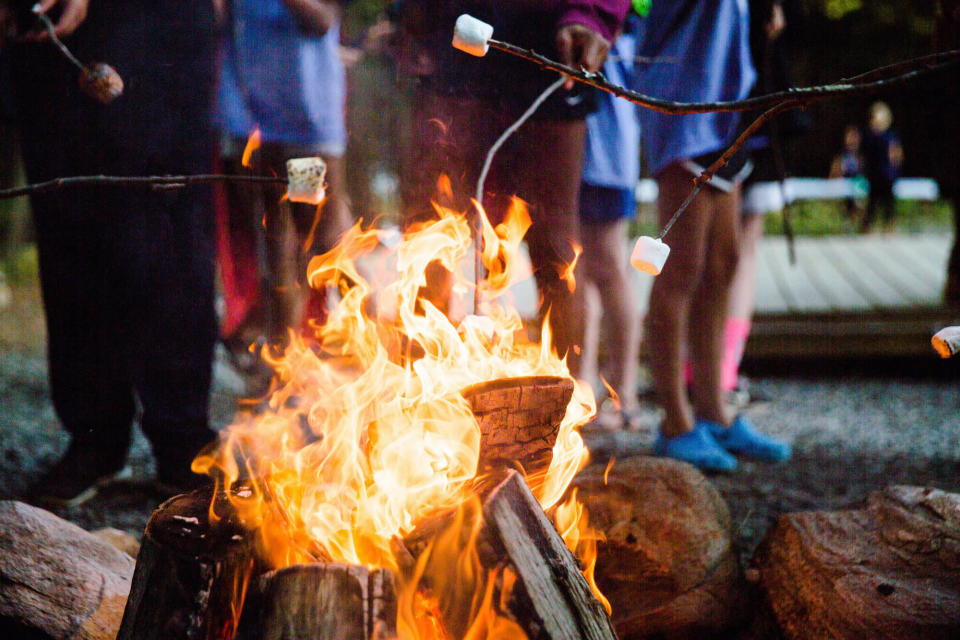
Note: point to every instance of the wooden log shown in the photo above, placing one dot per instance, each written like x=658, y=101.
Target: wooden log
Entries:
x=191, y=573
x=667, y=563
x=947, y=341
x=519, y=419
x=889, y=570
x=57, y=580
x=317, y=601
x=551, y=599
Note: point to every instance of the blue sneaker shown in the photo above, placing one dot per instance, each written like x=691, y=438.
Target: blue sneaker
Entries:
x=696, y=447
x=743, y=437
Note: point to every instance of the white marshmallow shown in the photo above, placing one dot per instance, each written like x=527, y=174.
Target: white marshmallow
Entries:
x=305, y=180
x=472, y=35
x=649, y=255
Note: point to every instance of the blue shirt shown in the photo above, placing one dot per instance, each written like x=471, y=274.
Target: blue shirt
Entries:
x=290, y=84
x=613, y=131
x=702, y=52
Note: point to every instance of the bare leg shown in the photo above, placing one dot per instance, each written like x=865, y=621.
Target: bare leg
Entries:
x=550, y=164
x=606, y=264
x=672, y=296
x=708, y=310
x=742, y=298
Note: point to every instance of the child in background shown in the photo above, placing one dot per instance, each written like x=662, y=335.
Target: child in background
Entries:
x=607, y=202
x=882, y=157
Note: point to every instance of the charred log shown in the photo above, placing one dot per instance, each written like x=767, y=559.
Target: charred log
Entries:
x=191, y=573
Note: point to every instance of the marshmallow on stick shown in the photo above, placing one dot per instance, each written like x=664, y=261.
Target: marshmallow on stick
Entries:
x=305, y=180
x=947, y=341
x=649, y=255
x=472, y=35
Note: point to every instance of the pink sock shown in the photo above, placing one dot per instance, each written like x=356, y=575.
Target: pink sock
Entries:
x=735, y=333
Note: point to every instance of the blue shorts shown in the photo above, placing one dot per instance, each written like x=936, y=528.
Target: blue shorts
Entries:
x=600, y=205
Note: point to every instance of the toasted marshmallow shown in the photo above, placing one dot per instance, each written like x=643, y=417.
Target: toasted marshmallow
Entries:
x=472, y=35
x=305, y=180
x=649, y=255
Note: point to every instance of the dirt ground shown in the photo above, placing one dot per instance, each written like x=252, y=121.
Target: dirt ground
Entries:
x=854, y=427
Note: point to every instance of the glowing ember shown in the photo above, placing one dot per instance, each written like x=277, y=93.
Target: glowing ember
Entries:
x=367, y=434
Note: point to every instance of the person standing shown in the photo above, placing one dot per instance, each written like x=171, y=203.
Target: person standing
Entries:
x=882, y=157
x=126, y=274
x=463, y=104
x=607, y=203
x=281, y=75
x=689, y=299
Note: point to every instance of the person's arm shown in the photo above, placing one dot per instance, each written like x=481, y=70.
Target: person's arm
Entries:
x=585, y=30
x=315, y=16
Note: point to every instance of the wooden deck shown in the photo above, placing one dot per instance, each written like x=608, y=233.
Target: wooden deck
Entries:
x=857, y=296
x=847, y=296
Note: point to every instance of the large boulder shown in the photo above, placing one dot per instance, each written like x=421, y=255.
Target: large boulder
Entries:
x=667, y=565
x=57, y=580
x=889, y=570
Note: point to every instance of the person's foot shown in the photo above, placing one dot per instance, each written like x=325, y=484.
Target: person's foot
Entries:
x=743, y=438
x=697, y=447
x=79, y=475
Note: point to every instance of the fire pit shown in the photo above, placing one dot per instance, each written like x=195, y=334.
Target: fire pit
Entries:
x=397, y=485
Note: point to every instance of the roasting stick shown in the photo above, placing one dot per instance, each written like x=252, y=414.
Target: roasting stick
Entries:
x=473, y=36
x=649, y=254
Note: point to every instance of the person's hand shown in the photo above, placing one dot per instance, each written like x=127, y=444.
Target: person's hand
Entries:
x=581, y=47
x=72, y=15
x=777, y=22
x=314, y=16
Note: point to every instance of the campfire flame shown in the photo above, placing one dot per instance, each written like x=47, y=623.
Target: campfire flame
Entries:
x=367, y=435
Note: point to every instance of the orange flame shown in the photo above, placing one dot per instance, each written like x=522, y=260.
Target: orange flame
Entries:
x=567, y=274
x=253, y=143
x=366, y=433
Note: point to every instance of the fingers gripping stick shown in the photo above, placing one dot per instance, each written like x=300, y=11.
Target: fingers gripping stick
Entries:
x=472, y=35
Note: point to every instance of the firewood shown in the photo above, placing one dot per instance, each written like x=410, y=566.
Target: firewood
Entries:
x=57, y=580
x=519, y=419
x=667, y=561
x=551, y=598
x=321, y=601
x=889, y=570
x=191, y=573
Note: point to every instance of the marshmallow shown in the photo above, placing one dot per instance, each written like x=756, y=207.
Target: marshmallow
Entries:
x=649, y=254
x=472, y=35
x=305, y=178
x=102, y=82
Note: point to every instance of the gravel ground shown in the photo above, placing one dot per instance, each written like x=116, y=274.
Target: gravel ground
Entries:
x=851, y=434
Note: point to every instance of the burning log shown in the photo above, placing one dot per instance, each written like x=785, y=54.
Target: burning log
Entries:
x=325, y=601
x=519, y=419
x=191, y=573
x=551, y=598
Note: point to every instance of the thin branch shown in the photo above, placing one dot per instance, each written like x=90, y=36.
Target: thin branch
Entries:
x=153, y=182
x=870, y=82
x=708, y=173
x=53, y=36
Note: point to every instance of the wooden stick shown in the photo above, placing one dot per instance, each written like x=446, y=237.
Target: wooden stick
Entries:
x=869, y=82
x=551, y=599
x=153, y=182
x=947, y=341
